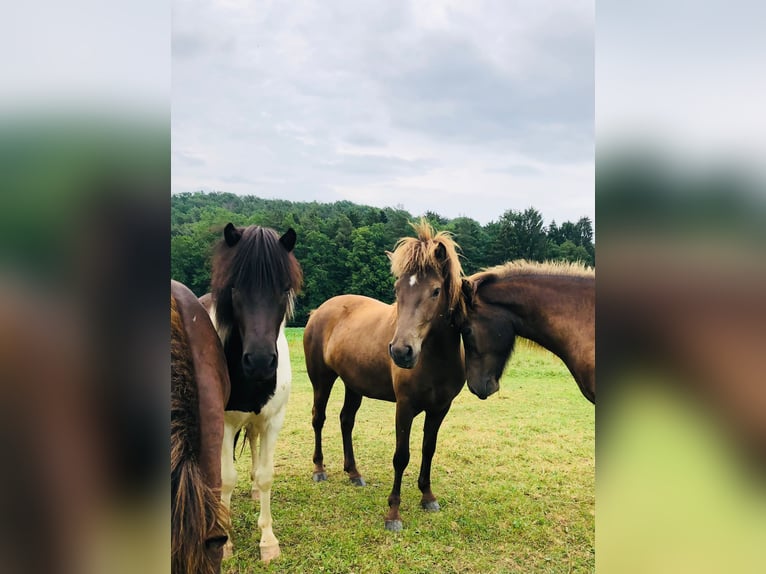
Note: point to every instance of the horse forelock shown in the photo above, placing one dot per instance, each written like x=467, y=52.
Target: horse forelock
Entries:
x=418, y=255
x=258, y=263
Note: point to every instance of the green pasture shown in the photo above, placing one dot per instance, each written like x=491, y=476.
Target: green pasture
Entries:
x=514, y=476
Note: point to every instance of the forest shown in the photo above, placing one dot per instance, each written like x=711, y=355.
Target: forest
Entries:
x=342, y=246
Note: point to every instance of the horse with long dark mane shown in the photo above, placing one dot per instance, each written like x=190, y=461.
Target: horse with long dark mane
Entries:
x=254, y=282
x=198, y=391
x=552, y=304
x=356, y=338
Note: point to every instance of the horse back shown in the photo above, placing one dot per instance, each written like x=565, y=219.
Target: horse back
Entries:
x=348, y=336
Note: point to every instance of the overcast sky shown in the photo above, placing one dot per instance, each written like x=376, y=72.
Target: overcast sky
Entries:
x=459, y=107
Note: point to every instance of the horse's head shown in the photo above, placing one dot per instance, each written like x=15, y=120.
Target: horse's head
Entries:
x=488, y=338
x=428, y=276
x=255, y=278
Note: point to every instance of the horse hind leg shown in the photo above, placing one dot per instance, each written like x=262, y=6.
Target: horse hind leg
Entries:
x=322, y=384
x=430, y=432
x=351, y=405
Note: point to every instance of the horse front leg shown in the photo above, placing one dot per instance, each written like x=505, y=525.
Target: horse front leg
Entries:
x=404, y=416
x=347, y=418
x=252, y=437
x=264, y=476
x=430, y=431
x=228, y=477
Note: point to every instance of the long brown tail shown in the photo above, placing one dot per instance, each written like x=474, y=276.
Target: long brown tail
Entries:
x=198, y=520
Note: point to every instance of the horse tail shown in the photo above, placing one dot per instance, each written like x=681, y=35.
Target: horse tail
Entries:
x=197, y=512
x=236, y=438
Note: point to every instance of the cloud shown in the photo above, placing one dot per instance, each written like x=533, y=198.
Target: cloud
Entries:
x=312, y=99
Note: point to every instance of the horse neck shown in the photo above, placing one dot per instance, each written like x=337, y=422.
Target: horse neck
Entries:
x=550, y=310
x=443, y=335
x=232, y=349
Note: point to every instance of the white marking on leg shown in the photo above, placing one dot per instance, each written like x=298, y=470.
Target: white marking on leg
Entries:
x=413, y=280
x=228, y=477
x=264, y=476
x=228, y=472
x=253, y=437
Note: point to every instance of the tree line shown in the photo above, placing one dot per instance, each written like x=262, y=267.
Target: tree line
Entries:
x=341, y=246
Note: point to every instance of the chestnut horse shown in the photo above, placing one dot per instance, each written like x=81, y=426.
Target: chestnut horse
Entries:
x=199, y=389
x=552, y=304
x=254, y=281
x=356, y=337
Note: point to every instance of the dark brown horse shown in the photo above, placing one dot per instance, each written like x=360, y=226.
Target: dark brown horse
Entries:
x=254, y=282
x=199, y=389
x=356, y=337
x=552, y=304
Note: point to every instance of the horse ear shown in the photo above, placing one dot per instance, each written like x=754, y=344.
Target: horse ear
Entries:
x=288, y=239
x=441, y=253
x=231, y=234
x=467, y=289
x=389, y=255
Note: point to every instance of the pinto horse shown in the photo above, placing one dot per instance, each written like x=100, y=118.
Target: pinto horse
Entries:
x=199, y=389
x=552, y=304
x=356, y=338
x=254, y=282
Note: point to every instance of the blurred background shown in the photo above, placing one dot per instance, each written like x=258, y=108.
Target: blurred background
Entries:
x=681, y=318
x=85, y=164
x=85, y=156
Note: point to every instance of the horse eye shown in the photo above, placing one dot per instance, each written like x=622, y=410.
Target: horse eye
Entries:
x=216, y=542
x=467, y=331
x=436, y=292
x=288, y=289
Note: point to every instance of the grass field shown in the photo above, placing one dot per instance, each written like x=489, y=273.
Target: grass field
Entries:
x=514, y=476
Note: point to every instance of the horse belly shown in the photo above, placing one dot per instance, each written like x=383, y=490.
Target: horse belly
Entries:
x=368, y=379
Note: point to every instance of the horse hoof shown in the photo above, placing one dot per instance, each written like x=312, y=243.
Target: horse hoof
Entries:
x=319, y=476
x=358, y=481
x=394, y=525
x=431, y=506
x=269, y=553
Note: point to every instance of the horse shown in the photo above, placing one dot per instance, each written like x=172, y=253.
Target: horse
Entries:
x=255, y=278
x=408, y=353
x=551, y=304
x=199, y=389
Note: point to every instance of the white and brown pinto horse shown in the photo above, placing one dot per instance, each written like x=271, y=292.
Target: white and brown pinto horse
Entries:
x=356, y=338
x=254, y=281
x=552, y=304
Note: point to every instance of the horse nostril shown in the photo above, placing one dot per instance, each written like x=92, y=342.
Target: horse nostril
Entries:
x=247, y=360
x=273, y=362
x=390, y=348
x=409, y=350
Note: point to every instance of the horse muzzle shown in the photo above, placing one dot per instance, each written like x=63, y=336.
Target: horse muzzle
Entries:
x=259, y=365
x=485, y=388
x=404, y=356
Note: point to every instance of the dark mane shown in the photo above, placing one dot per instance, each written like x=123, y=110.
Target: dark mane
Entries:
x=257, y=263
